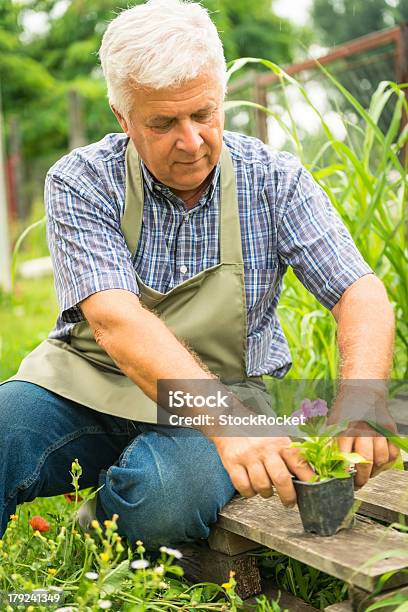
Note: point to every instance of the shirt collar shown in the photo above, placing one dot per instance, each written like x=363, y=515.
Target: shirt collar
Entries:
x=156, y=187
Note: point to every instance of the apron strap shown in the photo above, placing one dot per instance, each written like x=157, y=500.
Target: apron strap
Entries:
x=131, y=222
x=230, y=232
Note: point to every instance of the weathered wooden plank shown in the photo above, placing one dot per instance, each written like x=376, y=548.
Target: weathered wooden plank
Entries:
x=287, y=601
x=343, y=555
x=202, y=564
x=344, y=606
x=229, y=543
x=385, y=496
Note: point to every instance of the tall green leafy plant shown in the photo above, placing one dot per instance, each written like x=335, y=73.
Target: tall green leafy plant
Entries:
x=365, y=177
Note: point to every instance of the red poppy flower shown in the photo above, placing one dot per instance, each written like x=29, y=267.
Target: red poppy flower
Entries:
x=70, y=497
x=38, y=523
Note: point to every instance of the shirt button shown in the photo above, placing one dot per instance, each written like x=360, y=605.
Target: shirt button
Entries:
x=183, y=269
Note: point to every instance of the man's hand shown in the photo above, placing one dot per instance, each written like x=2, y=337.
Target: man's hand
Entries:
x=256, y=465
x=371, y=445
x=357, y=401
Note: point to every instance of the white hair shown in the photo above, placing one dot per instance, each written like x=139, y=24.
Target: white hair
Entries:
x=161, y=43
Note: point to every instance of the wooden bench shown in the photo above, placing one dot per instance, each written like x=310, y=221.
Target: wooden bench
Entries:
x=246, y=524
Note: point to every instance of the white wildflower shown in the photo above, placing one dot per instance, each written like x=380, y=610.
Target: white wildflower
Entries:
x=172, y=552
x=92, y=575
x=139, y=564
x=105, y=604
x=159, y=570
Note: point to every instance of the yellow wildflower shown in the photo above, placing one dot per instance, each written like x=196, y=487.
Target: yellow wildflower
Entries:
x=104, y=556
x=52, y=571
x=228, y=585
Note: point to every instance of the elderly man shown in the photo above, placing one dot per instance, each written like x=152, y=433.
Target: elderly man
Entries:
x=169, y=245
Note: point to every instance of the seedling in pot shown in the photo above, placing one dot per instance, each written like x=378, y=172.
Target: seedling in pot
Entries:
x=325, y=502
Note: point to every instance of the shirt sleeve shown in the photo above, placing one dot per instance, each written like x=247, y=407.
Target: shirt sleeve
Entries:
x=314, y=241
x=87, y=247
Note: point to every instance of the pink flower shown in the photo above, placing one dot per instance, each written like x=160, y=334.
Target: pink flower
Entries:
x=319, y=408
x=306, y=408
x=309, y=409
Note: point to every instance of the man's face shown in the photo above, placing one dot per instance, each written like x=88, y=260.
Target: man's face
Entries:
x=177, y=131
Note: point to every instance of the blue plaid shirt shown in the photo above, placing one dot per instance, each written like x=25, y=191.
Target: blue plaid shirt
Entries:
x=286, y=220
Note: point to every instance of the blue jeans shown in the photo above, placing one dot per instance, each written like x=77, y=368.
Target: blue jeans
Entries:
x=167, y=484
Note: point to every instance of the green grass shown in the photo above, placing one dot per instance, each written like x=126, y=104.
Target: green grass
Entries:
x=26, y=318
x=94, y=569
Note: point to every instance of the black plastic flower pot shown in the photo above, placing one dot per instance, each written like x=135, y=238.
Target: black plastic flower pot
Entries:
x=326, y=507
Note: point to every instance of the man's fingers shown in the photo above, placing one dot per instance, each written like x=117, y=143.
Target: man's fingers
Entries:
x=365, y=447
x=259, y=479
x=381, y=456
x=345, y=443
x=281, y=478
x=393, y=452
x=241, y=482
x=381, y=452
x=297, y=464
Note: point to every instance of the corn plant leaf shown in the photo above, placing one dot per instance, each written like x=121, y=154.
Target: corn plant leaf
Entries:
x=397, y=440
x=391, y=601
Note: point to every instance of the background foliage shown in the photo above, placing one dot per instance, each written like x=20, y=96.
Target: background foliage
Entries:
x=338, y=21
x=45, y=66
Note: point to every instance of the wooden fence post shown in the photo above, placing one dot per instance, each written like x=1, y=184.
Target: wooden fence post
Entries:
x=76, y=120
x=261, y=116
x=401, y=72
x=5, y=259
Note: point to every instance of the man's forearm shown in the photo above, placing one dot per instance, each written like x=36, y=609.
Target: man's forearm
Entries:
x=366, y=328
x=145, y=349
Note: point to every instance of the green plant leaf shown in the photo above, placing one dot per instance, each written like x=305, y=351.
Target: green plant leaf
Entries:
x=354, y=458
x=112, y=581
x=390, y=601
x=397, y=440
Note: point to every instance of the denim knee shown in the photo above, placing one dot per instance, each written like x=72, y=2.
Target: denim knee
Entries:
x=165, y=490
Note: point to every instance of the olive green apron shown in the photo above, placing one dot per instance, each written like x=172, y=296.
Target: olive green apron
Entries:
x=207, y=311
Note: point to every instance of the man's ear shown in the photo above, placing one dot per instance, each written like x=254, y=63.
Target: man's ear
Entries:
x=122, y=121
